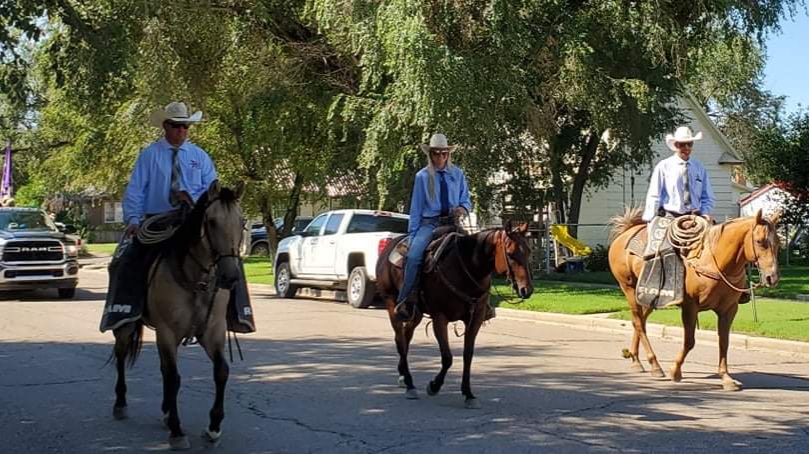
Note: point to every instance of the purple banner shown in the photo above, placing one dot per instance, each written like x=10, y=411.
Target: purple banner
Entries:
x=7, y=187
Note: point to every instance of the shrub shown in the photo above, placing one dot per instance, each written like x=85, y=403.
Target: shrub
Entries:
x=598, y=260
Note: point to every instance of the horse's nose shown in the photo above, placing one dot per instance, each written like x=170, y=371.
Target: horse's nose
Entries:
x=525, y=292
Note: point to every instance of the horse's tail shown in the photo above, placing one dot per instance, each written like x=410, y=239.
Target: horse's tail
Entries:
x=623, y=222
x=130, y=344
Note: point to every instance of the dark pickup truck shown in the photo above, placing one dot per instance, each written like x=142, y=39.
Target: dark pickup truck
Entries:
x=34, y=253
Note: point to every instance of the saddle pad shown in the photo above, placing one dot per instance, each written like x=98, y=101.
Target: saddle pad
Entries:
x=661, y=282
x=399, y=252
x=636, y=244
x=433, y=252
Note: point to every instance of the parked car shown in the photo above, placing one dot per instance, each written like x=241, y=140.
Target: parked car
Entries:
x=258, y=234
x=35, y=253
x=339, y=250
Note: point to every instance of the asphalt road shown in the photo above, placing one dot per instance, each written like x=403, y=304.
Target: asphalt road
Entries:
x=319, y=376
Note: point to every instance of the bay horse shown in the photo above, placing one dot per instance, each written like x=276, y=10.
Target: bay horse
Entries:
x=456, y=290
x=183, y=301
x=714, y=280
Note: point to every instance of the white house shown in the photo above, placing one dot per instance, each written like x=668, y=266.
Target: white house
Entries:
x=768, y=198
x=629, y=188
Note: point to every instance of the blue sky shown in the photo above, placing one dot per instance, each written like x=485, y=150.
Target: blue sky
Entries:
x=787, y=68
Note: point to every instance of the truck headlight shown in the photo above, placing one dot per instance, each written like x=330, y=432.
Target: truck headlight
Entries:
x=71, y=250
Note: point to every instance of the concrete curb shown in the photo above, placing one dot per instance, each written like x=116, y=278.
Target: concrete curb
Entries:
x=654, y=330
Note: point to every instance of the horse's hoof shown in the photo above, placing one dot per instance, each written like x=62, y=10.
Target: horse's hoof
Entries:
x=658, y=373
x=472, y=404
x=402, y=383
x=411, y=394
x=431, y=391
x=180, y=443
x=210, y=437
x=120, y=413
x=730, y=386
x=637, y=367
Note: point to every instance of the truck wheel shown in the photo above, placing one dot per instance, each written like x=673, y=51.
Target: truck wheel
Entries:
x=283, y=288
x=360, y=290
x=67, y=293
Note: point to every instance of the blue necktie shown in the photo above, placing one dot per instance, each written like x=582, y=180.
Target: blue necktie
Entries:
x=444, y=194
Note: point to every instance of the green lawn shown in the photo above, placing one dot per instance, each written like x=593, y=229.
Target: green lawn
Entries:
x=794, y=281
x=779, y=319
x=258, y=270
x=100, y=248
x=564, y=299
x=590, y=277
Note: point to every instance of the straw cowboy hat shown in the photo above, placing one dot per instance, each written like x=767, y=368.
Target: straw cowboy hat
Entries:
x=438, y=141
x=176, y=112
x=682, y=134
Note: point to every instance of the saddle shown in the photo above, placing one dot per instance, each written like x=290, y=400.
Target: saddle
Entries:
x=435, y=250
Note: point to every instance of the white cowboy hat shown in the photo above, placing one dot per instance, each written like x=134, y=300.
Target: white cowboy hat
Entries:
x=682, y=134
x=437, y=141
x=176, y=112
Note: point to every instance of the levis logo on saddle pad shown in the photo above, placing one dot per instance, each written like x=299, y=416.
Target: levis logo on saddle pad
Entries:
x=120, y=308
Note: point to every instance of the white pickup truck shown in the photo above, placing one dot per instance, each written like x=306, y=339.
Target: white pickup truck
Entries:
x=337, y=250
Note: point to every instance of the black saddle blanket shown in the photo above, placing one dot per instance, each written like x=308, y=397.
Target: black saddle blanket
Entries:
x=662, y=280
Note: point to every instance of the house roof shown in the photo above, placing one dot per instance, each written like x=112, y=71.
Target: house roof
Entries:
x=733, y=157
x=757, y=193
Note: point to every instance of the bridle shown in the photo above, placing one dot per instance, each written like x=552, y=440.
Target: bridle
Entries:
x=755, y=259
x=217, y=256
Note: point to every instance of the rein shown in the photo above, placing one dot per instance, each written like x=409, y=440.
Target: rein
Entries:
x=722, y=275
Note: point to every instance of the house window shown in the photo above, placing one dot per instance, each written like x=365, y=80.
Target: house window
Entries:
x=738, y=176
x=113, y=212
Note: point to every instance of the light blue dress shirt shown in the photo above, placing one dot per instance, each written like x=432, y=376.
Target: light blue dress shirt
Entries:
x=150, y=182
x=421, y=206
x=666, y=188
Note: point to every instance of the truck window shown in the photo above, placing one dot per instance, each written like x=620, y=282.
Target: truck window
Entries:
x=334, y=224
x=365, y=223
x=313, y=229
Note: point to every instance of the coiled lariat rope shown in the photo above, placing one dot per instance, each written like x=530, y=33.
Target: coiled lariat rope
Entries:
x=687, y=231
x=158, y=228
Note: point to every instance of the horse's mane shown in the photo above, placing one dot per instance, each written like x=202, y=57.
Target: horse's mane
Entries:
x=188, y=234
x=623, y=222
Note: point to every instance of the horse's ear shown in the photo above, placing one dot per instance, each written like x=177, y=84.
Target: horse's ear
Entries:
x=507, y=226
x=240, y=187
x=775, y=218
x=758, y=217
x=213, y=189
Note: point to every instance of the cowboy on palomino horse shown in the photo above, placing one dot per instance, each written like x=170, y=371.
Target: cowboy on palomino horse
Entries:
x=168, y=178
x=429, y=209
x=687, y=260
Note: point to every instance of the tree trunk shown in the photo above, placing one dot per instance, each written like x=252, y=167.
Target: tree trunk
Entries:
x=580, y=181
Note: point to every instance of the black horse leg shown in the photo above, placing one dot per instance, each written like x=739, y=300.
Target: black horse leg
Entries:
x=403, y=336
x=121, y=349
x=472, y=330
x=171, y=387
x=442, y=336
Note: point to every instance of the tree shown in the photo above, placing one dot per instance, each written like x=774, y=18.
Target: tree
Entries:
x=782, y=154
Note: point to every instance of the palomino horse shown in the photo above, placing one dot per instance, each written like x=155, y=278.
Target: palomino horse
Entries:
x=709, y=282
x=183, y=302
x=457, y=289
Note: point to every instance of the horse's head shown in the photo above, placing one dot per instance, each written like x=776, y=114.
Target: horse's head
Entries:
x=512, y=257
x=763, y=247
x=222, y=230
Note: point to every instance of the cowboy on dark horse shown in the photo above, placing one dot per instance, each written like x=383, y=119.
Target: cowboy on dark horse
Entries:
x=440, y=198
x=168, y=178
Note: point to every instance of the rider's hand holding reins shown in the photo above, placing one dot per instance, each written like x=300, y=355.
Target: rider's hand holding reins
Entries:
x=131, y=230
x=459, y=212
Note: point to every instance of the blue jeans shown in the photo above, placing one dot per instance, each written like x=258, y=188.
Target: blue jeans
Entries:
x=415, y=256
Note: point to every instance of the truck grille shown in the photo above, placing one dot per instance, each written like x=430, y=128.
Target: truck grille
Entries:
x=33, y=251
